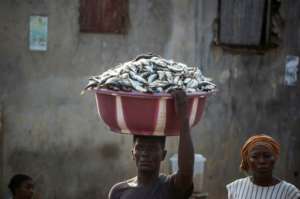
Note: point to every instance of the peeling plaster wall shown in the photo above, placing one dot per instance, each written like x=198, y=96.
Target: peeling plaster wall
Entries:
x=51, y=132
x=1, y=149
x=54, y=134
x=251, y=99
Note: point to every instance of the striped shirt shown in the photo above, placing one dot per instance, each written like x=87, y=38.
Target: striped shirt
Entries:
x=245, y=189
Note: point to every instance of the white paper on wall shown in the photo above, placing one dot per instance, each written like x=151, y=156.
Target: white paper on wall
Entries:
x=38, y=33
x=291, y=69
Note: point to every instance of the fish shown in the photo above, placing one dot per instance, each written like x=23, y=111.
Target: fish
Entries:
x=152, y=77
x=137, y=86
x=137, y=77
x=152, y=74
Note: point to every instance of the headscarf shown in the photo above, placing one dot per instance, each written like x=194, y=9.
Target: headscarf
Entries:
x=265, y=140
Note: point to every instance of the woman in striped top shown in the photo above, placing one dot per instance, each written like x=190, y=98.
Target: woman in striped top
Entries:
x=259, y=155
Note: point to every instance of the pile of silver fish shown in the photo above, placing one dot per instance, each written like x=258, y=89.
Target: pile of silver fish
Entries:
x=152, y=74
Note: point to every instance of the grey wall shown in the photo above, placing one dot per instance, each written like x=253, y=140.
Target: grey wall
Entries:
x=1, y=150
x=54, y=134
x=252, y=99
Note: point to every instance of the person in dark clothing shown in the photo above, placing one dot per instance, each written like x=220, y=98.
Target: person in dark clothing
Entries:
x=148, y=152
x=21, y=186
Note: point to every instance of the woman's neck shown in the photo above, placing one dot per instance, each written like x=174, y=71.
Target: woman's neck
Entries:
x=146, y=178
x=264, y=180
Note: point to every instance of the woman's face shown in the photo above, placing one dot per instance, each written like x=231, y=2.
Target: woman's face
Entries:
x=25, y=191
x=148, y=154
x=261, y=160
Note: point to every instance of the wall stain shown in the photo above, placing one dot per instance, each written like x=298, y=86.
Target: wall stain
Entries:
x=109, y=151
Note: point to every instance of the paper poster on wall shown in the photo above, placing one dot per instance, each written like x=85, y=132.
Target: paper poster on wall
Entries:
x=291, y=69
x=38, y=33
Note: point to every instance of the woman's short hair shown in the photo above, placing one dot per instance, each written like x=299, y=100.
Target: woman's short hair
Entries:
x=16, y=181
x=160, y=139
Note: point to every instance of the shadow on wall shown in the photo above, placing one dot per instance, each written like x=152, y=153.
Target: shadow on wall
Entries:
x=80, y=171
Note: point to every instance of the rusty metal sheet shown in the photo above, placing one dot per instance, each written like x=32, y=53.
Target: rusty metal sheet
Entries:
x=103, y=16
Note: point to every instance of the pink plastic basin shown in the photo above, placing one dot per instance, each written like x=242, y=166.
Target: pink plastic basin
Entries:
x=145, y=114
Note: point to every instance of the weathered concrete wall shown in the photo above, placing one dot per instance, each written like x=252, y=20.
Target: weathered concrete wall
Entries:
x=51, y=132
x=251, y=99
x=1, y=149
x=54, y=134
